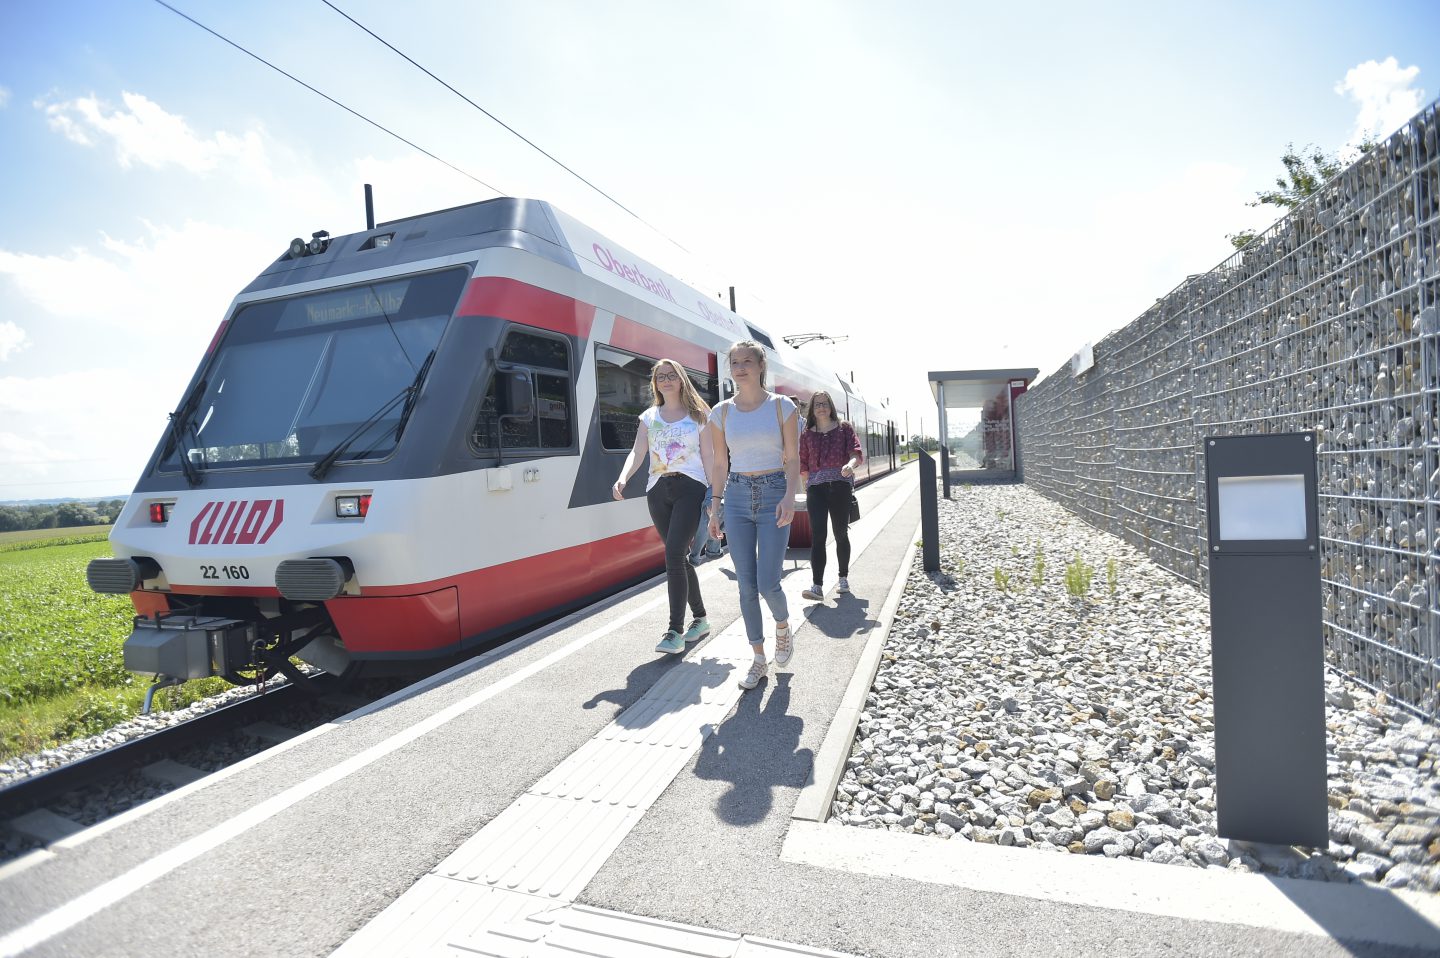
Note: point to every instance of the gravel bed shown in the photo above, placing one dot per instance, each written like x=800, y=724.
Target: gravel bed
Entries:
x=1006, y=710
x=25, y=766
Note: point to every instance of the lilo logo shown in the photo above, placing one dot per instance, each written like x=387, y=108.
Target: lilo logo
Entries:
x=237, y=522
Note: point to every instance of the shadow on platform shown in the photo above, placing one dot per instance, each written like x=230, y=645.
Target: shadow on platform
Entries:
x=756, y=750
x=1347, y=912
x=848, y=618
x=641, y=679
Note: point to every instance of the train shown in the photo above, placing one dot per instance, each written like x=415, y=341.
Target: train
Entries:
x=400, y=443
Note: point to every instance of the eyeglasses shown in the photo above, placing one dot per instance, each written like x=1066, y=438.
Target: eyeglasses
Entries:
x=821, y=405
x=667, y=377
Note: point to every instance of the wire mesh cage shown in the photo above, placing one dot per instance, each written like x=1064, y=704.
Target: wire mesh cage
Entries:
x=1327, y=322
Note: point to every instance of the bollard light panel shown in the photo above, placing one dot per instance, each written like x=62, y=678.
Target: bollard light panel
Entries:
x=1266, y=643
x=1261, y=507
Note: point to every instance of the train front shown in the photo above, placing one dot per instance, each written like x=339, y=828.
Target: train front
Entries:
x=291, y=475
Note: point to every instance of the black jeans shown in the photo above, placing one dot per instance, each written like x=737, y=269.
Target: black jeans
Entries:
x=675, y=509
x=830, y=499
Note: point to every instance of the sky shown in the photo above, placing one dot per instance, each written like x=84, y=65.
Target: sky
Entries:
x=947, y=185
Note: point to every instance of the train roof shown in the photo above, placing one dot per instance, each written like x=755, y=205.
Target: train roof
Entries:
x=534, y=226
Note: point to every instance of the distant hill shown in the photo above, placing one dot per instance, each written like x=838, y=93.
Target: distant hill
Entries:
x=88, y=500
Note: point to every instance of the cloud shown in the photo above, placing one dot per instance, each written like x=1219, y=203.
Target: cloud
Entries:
x=171, y=280
x=4, y=97
x=12, y=339
x=144, y=133
x=68, y=430
x=1385, y=96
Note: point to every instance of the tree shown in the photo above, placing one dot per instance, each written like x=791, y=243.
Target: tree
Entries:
x=12, y=519
x=1305, y=173
x=69, y=514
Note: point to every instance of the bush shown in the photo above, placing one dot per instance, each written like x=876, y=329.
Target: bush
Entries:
x=91, y=714
x=1077, y=577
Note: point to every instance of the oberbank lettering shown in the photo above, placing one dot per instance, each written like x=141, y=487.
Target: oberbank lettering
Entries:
x=718, y=318
x=634, y=275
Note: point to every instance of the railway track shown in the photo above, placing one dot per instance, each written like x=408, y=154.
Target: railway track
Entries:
x=48, y=806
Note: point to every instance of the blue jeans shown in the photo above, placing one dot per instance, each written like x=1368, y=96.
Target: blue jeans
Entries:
x=757, y=547
x=703, y=543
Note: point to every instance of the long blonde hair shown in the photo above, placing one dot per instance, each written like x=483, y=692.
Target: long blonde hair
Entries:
x=694, y=405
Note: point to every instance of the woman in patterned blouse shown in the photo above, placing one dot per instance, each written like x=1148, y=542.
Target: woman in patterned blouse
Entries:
x=829, y=453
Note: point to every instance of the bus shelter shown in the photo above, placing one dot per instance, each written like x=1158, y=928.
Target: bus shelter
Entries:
x=976, y=425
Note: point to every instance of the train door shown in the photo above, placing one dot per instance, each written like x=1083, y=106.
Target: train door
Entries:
x=527, y=424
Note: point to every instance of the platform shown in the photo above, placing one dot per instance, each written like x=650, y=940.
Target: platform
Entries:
x=575, y=792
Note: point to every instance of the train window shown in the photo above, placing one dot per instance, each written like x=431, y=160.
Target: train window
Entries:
x=707, y=386
x=552, y=425
x=760, y=337
x=294, y=377
x=622, y=393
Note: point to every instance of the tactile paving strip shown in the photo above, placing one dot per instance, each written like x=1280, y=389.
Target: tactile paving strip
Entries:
x=582, y=930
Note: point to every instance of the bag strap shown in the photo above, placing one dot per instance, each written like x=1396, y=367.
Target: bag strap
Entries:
x=780, y=424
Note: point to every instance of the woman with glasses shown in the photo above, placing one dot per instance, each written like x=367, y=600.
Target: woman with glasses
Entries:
x=675, y=433
x=755, y=476
x=829, y=453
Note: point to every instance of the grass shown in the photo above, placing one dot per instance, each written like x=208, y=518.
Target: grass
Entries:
x=40, y=538
x=61, y=671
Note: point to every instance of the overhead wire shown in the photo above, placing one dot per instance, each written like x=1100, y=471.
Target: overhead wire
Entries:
x=353, y=112
x=410, y=143
x=529, y=142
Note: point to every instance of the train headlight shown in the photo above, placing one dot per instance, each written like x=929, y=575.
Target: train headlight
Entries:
x=160, y=511
x=352, y=507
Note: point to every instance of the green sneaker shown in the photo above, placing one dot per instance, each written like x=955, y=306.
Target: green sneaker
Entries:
x=674, y=643
x=699, y=629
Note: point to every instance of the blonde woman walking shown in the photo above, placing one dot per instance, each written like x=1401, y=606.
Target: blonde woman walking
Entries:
x=755, y=475
x=829, y=453
x=676, y=434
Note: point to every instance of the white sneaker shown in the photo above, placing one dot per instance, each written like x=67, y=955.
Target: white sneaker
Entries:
x=843, y=585
x=758, y=670
x=784, y=646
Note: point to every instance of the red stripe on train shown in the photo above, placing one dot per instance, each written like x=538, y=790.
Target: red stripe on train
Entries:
x=490, y=598
x=640, y=339
x=522, y=303
x=435, y=615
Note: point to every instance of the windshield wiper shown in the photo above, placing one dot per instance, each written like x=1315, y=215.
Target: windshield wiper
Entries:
x=179, y=420
x=407, y=394
x=414, y=393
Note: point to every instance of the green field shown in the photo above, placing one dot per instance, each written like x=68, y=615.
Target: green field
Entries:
x=36, y=538
x=61, y=673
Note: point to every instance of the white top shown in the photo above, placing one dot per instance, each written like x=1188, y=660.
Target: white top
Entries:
x=753, y=437
x=674, y=447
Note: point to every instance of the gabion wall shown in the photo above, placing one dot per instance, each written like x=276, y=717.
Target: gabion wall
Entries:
x=1327, y=322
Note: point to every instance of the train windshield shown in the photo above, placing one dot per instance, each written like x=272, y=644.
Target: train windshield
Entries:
x=294, y=378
